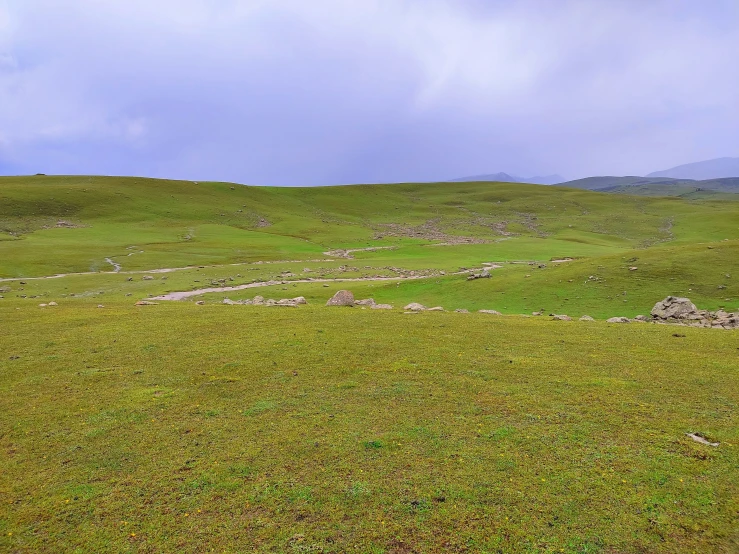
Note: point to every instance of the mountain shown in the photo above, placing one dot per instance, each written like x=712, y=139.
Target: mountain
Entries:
x=709, y=169
x=657, y=186
x=597, y=183
x=507, y=178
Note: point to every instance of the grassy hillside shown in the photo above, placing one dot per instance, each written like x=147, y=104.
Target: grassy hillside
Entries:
x=194, y=428
x=190, y=428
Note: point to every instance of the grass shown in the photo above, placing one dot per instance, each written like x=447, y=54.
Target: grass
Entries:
x=190, y=428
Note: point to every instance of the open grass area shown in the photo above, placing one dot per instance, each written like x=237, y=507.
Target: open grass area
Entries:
x=195, y=428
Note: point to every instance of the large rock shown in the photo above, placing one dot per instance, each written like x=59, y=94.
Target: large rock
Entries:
x=618, y=320
x=674, y=307
x=341, y=298
x=300, y=300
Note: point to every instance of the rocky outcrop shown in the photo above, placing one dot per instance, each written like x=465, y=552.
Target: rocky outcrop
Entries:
x=341, y=298
x=682, y=311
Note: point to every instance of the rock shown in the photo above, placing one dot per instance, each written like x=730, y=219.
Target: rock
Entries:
x=492, y=312
x=326, y=286
x=100, y=306
x=200, y=303
x=414, y=307
x=461, y=311
x=381, y=307
x=141, y=303
x=633, y=268
x=641, y=318
x=42, y=305
x=5, y=289
x=673, y=307
x=341, y=298
x=537, y=313
x=561, y=317
x=229, y=302
x=270, y=302
x=586, y=318
x=147, y=278
x=53, y=304
x=129, y=279
x=365, y=302
x=300, y=300
x=258, y=300
x=435, y=309
x=618, y=320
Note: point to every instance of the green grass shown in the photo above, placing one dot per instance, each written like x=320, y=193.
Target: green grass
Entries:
x=194, y=428
x=185, y=428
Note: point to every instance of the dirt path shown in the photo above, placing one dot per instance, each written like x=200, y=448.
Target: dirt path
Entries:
x=197, y=292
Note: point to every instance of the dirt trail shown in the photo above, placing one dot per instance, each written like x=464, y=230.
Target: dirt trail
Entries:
x=197, y=292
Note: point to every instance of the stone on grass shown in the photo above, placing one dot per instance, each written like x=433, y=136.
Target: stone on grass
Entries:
x=492, y=312
x=147, y=278
x=140, y=303
x=414, y=307
x=435, y=309
x=561, y=317
x=586, y=318
x=461, y=311
x=365, y=302
x=300, y=300
x=618, y=320
x=381, y=306
x=674, y=307
x=341, y=298
x=53, y=304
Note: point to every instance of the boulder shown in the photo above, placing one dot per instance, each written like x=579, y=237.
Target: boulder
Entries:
x=200, y=302
x=300, y=300
x=492, y=312
x=561, y=317
x=673, y=307
x=381, y=307
x=586, y=318
x=258, y=300
x=147, y=278
x=53, y=304
x=414, y=307
x=365, y=302
x=641, y=318
x=618, y=320
x=341, y=298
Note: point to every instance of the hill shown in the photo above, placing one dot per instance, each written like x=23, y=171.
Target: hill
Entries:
x=506, y=178
x=700, y=171
x=136, y=424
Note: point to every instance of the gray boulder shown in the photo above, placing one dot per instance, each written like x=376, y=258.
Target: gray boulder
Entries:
x=674, y=307
x=300, y=300
x=586, y=318
x=365, y=302
x=341, y=298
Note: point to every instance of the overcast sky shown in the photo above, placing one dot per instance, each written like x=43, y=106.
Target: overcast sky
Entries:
x=298, y=92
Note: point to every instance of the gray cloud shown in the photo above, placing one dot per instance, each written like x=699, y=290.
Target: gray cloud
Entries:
x=291, y=93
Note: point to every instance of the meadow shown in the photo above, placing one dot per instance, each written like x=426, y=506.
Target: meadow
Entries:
x=179, y=427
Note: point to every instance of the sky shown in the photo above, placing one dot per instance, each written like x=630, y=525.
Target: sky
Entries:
x=298, y=93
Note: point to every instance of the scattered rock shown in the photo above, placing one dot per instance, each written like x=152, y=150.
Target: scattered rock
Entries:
x=618, y=320
x=258, y=300
x=42, y=305
x=586, y=318
x=633, y=268
x=100, y=306
x=414, y=307
x=53, y=304
x=537, y=313
x=300, y=300
x=435, y=309
x=141, y=303
x=229, y=302
x=641, y=318
x=365, y=302
x=147, y=278
x=200, y=303
x=461, y=311
x=561, y=317
x=381, y=307
x=341, y=298
x=492, y=312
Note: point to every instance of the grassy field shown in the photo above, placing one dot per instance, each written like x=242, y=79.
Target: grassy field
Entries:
x=196, y=428
x=183, y=428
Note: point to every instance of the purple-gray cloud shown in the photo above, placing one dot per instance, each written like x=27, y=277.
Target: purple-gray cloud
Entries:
x=329, y=91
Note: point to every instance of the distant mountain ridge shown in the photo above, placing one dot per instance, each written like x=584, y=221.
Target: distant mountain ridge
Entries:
x=508, y=178
x=700, y=171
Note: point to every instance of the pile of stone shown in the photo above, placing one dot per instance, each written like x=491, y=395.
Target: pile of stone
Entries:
x=260, y=301
x=484, y=274
x=346, y=298
x=682, y=311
